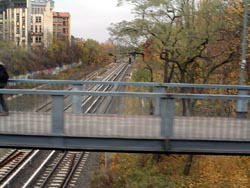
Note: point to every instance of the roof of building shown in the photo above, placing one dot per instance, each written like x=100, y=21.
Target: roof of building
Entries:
x=61, y=14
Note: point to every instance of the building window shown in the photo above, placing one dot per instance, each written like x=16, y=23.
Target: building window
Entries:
x=36, y=29
x=17, y=29
x=17, y=17
x=40, y=28
x=38, y=39
x=38, y=19
x=23, y=32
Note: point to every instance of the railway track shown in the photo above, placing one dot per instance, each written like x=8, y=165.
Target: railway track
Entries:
x=13, y=163
x=63, y=171
x=58, y=169
x=111, y=75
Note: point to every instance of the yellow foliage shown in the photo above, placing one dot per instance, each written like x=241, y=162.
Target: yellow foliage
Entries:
x=219, y=172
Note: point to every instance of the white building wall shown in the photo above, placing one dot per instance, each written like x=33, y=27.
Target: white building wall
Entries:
x=41, y=22
x=15, y=25
x=48, y=24
x=19, y=24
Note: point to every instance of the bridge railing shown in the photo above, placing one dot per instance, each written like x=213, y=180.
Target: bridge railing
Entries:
x=175, y=115
x=143, y=87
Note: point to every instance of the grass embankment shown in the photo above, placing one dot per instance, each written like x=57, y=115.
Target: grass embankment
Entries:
x=144, y=171
x=141, y=171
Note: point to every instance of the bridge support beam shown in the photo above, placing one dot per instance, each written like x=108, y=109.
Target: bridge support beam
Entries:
x=77, y=100
x=157, y=100
x=242, y=105
x=58, y=114
x=167, y=106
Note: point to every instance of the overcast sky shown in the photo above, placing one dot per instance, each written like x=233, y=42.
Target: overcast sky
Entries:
x=90, y=18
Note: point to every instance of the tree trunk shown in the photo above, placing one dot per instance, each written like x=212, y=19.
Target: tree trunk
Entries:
x=188, y=165
x=166, y=78
x=183, y=90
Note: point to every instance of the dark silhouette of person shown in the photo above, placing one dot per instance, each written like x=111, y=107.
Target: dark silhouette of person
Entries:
x=129, y=60
x=4, y=77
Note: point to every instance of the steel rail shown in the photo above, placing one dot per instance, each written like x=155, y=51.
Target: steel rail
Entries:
x=38, y=170
x=74, y=166
x=19, y=169
x=53, y=169
x=109, y=73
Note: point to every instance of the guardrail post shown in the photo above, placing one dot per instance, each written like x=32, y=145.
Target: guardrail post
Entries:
x=57, y=114
x=242, y=104
x=77, y=100
x=167, y=113
x=157, y=99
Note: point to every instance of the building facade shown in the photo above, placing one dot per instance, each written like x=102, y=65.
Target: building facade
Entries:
x=32, y=22
x=62, y=26
x=14, y=18
x=41, y=22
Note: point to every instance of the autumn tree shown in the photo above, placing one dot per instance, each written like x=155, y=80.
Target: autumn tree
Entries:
x=193, y=40
x=20, y=60
x=107, y=51
x=13, y=57
x=94, y=53
x=75, y=51
x=181, y=32
x=234, y=16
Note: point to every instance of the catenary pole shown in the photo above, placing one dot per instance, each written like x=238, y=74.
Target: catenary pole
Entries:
x=242, y=104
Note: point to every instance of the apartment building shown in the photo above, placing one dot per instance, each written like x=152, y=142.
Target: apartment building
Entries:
x=14, y=21
x=32, y=22
x=41, y=22
x=61, y=26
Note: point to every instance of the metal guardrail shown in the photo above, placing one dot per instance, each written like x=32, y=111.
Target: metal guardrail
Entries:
x=145, y=84
x=184, y=90
x=123, y=94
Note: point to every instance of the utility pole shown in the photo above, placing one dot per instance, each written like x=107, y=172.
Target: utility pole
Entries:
x=241, y=103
